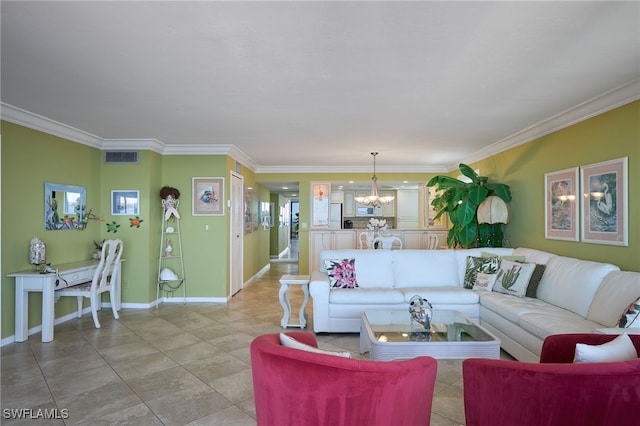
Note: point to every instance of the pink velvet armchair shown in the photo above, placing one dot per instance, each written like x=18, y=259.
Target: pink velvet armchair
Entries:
x=556, y=391
x=296, y=387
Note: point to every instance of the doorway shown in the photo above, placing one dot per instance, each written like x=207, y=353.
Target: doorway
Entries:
x=237, y=232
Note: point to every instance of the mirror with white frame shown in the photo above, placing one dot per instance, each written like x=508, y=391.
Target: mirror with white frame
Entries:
x=64, y=207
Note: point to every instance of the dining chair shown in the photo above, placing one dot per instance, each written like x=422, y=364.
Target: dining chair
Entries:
x=392, y=242
x=365, y=240
x=104, y=280
x=432, y=242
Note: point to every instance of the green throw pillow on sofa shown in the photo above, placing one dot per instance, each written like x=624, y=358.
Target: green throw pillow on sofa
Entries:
x=475, y=265
x=532, y=288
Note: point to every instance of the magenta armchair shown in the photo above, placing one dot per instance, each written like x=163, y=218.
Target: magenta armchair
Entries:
x=295, y=387
x=556, y=391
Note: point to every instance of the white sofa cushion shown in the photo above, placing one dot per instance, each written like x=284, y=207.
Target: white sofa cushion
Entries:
x=533, y=255
x=618, y=290
x=442, y=295
x=511, y=307
x=572, y=283
x=365, y=296
x=424, y=268
x=551, y=320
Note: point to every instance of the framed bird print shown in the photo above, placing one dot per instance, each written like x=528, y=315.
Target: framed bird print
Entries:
x=561, y=204
x=605, y=202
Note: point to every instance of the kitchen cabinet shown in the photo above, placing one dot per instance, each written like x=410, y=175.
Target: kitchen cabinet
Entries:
x=328, y=240
x=349, y=205
x=337, y=196
x=408, y=215
x=389, y=210
x=419, y=239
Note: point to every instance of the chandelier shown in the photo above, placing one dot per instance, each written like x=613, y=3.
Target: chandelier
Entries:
x=374, y=199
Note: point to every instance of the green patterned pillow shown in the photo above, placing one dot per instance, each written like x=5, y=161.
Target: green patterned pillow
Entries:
x=475, y=265
x=631, y=316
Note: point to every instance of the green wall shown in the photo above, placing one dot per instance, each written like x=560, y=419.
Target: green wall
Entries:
x=608, y=136
x=29, y=159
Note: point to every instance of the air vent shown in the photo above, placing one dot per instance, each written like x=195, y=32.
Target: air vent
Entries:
x=121, y=157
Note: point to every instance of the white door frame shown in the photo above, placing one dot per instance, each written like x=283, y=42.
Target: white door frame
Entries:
x=236, y=229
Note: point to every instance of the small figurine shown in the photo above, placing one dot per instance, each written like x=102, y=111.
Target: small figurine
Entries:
x=168, y=249
x=170, y=201
x=421, y=311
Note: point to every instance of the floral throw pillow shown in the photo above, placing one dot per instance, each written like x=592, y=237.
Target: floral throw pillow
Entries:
x=513, y=277
x=631, y=316
x=342, y=273
x=476, y=265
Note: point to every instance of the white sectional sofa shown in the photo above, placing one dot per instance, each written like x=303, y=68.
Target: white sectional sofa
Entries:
x=573, y=296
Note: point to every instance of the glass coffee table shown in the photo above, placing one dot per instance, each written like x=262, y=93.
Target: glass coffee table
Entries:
x=389, y=335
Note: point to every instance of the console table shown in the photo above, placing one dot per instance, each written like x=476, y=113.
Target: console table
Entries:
x=69, y=274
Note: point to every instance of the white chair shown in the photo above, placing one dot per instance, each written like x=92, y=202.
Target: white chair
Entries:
x=365, y=240
x=432, y=242
x=392, y=242
x=104, y=280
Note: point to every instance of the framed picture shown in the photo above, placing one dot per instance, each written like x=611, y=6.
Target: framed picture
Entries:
x=561, y=204
x=605, y=202
x=250, y=210
x=265, y=214
x=320, y=199
x=208, y=196
x=125, y=202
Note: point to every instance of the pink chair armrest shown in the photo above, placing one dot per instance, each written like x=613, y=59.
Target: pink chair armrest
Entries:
x=562, y=347
x=501, y=392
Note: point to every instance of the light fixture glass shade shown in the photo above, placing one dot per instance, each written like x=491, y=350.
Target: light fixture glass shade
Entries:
x=374, y=199
x=493, y=210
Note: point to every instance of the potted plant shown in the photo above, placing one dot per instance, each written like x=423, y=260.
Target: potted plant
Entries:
x=460, y=201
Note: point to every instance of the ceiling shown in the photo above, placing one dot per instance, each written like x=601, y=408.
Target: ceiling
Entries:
x=317, y=86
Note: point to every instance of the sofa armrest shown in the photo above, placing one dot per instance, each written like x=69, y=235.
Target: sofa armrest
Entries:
x=319, y=288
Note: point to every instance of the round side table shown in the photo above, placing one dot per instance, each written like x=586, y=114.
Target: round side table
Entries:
x=285, y=282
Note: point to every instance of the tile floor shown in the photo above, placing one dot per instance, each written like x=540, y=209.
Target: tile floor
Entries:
x=176, y=365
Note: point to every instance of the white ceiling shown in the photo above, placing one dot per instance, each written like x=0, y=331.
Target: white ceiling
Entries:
x=319, y=85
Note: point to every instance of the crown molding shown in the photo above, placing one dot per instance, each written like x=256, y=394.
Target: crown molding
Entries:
x=133, y=145
x=37, y=122
x=612, y=99
x=350, y=169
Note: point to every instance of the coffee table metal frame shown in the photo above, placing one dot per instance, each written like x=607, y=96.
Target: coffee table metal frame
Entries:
x=399, y=321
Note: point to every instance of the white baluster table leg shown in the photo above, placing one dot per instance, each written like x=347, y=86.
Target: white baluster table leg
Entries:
x=285, y=282
x=286, y=305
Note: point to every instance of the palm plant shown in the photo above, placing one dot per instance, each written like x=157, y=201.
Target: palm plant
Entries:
x=460, y=201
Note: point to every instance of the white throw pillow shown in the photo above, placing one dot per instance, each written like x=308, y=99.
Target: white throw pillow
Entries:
x=485, y=282
x=513, y=277
x=290, y=342
x=619, y=349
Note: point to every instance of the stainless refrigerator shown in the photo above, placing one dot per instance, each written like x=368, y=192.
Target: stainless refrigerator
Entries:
x=335, y=215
